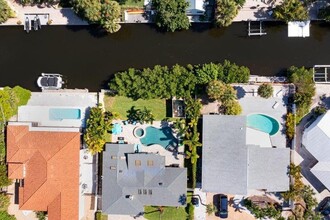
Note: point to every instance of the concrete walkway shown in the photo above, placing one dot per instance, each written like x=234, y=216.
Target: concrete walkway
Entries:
x=57, y=16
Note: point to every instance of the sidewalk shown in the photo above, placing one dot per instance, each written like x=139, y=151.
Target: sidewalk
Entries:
x=58, y=16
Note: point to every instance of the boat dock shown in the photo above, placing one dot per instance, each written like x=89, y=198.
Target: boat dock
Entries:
x=256, y=29
x=321, y=73
x=35, y=21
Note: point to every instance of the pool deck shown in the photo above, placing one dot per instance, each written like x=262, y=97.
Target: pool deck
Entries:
x=253, y=104
x=129, y=137
x=37, y=108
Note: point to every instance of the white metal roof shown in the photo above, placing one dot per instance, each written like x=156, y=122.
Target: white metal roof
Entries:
x=316, y=139
x=298, y=28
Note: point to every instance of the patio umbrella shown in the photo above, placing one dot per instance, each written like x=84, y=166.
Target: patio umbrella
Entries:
x=116, y=129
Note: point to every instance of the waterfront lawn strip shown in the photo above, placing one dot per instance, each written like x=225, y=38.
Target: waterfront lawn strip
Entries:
x=167, y=213
x=121, y=104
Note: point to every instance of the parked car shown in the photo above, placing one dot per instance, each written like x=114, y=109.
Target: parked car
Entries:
x=325, y=206
x=223, y=206
x=195, y=201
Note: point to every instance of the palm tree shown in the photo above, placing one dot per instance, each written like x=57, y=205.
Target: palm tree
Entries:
x=226, y=11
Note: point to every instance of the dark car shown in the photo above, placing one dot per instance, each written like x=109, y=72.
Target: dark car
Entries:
x=223, y=206
x=325, y=206
x=195, y=201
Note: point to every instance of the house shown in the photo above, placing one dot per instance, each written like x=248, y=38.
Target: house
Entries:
x=196, y=7
x=316, y=139
x=133, y=180
x=44, y=162
x=237, y=160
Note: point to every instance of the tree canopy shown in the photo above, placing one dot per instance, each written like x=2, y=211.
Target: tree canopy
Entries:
x=171, y=14
x=265, y=90
x=178, y=81
x=215, y=89
x=104, y=12
x=225, y=12
x=291, y=10
x=305, y=89
x=98, y=124
x=5, y=11
x=159, y=82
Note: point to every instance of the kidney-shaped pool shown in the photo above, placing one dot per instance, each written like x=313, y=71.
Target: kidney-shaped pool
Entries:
x=263, y=123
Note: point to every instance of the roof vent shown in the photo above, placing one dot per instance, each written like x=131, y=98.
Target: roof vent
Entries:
x=131, y=197
x=160, y=183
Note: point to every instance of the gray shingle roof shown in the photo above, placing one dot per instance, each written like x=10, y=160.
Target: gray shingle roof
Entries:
x=133, y=180
x=224, y=154
x=268, y=168
x=231, y=166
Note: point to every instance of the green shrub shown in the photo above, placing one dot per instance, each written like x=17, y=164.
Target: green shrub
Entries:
x=5, y=11
x=305, y=89
x=191, y=211
x=290, y=125
x=98, y=124
x=291, y=10
x=324, y=13
x=232, y=108
x=265, y=90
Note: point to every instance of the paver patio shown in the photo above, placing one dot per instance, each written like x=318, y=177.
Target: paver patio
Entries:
x=128, y=134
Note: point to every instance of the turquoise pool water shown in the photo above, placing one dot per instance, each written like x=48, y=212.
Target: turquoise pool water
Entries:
x=161, y=136
x=263, y=123
x=64, y=113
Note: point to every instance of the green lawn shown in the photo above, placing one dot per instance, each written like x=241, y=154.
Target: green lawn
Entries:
x=121, y=104
x=131, y=3
x=169, y=213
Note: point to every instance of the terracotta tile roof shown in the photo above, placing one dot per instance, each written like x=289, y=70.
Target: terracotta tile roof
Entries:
x=15, y=170
x=49, y=164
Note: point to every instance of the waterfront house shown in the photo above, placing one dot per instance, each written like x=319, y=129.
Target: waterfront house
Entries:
x=316, y=139
x=196, y=7
x=238, y=159
x=44, y=163
x=133, y=180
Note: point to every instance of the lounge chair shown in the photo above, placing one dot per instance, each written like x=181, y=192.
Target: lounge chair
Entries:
x=275, y=105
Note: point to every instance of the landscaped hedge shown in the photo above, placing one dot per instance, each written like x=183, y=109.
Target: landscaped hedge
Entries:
x=178, y=81
x=305, y=89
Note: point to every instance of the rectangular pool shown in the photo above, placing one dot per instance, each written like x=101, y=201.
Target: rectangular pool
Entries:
x=57, y=114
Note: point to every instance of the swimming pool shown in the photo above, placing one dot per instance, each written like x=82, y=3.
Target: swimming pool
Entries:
x=161, y=136
x=263, y=123
x=58, y=114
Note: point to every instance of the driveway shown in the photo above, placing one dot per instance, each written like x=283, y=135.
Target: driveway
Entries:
x=232, y=214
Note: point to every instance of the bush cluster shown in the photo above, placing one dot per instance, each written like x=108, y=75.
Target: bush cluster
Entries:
x=177, y=81
x=305, y=89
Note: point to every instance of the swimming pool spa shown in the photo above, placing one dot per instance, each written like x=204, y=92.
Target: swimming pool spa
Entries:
x=263, y=123
x=58, y=114
x=162, y=136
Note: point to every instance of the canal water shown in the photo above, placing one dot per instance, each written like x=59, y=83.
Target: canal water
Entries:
x=88, y=58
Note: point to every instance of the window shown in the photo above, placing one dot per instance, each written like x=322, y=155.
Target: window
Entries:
x=144, y=192
x=137, y=163
x=139, y=191
x=150, y=163
x=150, y=191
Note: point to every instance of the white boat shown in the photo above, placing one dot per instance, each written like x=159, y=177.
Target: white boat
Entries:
x=50, y=81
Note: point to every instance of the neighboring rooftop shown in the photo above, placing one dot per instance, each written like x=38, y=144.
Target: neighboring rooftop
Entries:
x=63, y=108
x=133, y=180
x=195, y=7
x=47, y=165
x=316, y=139
x=233, y=166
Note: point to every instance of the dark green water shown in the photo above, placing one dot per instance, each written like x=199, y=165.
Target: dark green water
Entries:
x=89, y=58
